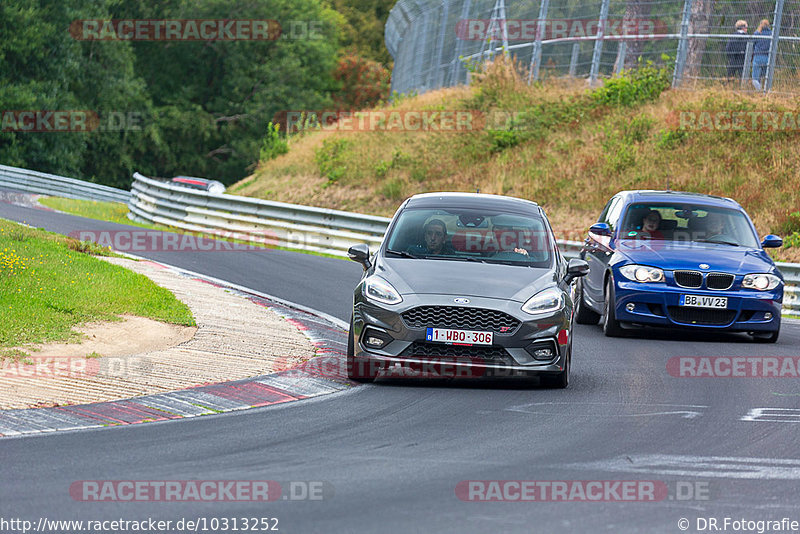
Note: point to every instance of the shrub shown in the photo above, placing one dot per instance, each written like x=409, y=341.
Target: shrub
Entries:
x=631, y=87
x=331, y=158
x=273, y=145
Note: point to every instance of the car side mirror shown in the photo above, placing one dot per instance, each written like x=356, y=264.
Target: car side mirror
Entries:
x=360, y=253
x=575, y=269
x=772, y=241
x=601, y=229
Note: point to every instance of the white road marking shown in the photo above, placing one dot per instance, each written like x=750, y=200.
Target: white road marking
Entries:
x=773, y=415
x=602, y=409
x=701, y=466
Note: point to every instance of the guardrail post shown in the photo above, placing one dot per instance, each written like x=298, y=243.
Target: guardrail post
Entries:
x=773, y=50
x=748, y=58
x=573, y=60
x=536, y=53
x=598, y=43
x=683, y=44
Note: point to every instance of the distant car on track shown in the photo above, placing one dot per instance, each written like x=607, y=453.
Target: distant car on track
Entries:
x=682, y=260
x=212, y=186
x=464, y=285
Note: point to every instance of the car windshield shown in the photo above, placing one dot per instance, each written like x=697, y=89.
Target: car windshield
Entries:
x=682, y=222
x=471, y=235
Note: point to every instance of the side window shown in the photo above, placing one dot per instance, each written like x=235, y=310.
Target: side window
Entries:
x=612, y=216
x=603, y=214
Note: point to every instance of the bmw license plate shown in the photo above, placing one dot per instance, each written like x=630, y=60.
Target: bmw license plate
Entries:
x=458, y=337
x=703, y=301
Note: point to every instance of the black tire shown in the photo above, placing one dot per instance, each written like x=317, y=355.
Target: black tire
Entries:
x=767, y=337
x=611, y=327
x=583, y=314
x=355, y=372
x=558, y=380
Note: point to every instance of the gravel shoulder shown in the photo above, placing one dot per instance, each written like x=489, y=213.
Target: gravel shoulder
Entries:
x=235, y=338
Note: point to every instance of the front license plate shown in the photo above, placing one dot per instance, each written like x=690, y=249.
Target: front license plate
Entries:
x=703, y=301
x=458, y=337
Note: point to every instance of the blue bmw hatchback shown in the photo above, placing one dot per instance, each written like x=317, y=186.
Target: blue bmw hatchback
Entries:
x=681, y=260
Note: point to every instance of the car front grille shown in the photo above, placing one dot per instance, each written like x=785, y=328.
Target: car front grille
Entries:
x=690, y=279
x=459, y=317
x=456, y=352
x=680, y=314
x=719, y=281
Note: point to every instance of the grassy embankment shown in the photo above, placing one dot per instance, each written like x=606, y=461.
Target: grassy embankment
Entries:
x=50, y=283
x=569, y=149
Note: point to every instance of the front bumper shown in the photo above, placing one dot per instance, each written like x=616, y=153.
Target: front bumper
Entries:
x=409, y=352
x=658, y=305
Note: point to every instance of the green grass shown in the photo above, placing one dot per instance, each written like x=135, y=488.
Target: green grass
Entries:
x=118, y=213
x=49, y=283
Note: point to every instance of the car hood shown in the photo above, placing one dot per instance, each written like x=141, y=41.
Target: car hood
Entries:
x=458, y=278
x=681, y=255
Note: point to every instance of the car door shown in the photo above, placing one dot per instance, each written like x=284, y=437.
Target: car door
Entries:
x=598, y=250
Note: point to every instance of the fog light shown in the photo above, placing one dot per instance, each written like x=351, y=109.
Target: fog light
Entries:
x=542, y=349
x=768, y=316
x=630, y=306
x=375, y=339
x=374, y=342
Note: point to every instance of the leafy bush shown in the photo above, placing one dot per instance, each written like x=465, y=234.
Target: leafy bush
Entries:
x=669, y=139
x=332, y=157
x=273, y=145
x=365, y=82
x=790, y=223
x=637, y=86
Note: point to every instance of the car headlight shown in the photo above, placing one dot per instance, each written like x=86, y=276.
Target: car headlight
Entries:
x=761, y=282
x=546, y=301
x=376, y=288
x=642, y=273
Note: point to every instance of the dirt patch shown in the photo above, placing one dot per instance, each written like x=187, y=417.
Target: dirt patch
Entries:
x=131, y=335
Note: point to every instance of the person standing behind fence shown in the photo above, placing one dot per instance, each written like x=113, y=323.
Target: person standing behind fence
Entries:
x=761, y=53
x=735, y=49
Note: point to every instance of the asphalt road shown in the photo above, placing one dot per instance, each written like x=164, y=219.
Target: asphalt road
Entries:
x=392, y=454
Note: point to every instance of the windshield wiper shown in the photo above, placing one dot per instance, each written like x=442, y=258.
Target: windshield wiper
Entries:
x=402, y=253
x=719, y=242
x=455, y=258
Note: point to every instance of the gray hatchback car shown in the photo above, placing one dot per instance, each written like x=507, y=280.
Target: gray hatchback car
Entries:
x=464, y=285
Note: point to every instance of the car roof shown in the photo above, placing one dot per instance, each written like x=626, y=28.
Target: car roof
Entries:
x=468, y=200
x=650, y=195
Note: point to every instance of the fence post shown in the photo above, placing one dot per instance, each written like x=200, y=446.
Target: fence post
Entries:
x=419, y=57
x=536, y=54
x=621, y=57
x=773, y=50
x=748, y=57
x=598, y=43
x=573, y=60
x=683, y=45
x=445, y=24
x=454, y=75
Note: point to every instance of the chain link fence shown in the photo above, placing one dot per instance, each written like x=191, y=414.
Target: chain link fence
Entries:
x=436, y=43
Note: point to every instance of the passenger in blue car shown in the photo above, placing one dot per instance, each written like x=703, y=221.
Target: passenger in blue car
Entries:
x=651, y=224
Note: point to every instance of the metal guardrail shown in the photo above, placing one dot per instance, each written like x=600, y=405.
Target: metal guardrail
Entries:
x=303, y=227
x=41, y=183
x=253, y=220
